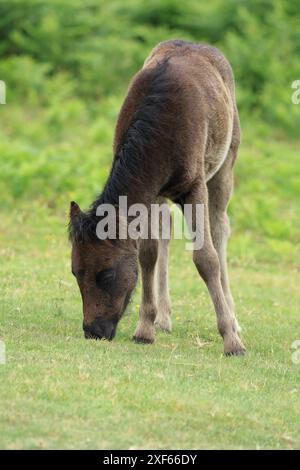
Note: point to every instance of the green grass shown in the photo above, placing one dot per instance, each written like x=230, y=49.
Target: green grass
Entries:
x=58, y=390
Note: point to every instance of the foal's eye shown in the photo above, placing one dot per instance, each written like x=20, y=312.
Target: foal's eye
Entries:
x=105, y=278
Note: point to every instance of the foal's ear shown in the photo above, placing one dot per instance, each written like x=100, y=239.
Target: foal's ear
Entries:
x=74, y=209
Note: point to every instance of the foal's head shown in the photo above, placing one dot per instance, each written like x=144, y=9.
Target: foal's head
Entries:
x=106, y=273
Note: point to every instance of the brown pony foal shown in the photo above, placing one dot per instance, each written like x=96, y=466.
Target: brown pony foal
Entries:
x=177, y=137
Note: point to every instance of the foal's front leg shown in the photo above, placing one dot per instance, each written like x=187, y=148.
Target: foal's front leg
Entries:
x=148, y=254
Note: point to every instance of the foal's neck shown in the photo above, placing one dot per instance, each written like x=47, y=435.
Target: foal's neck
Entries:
x=140, y=185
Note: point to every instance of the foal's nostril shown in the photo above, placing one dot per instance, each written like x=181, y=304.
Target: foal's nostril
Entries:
x=92, y=331
x=100, y=328
x=90, y=335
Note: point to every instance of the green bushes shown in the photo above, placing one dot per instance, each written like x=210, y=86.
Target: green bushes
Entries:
x=67, y=65
x=100, y=44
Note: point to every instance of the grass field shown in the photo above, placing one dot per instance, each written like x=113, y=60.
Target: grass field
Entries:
x=58, y=390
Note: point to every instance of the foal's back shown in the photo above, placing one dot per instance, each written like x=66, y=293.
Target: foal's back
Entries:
x=199, y=119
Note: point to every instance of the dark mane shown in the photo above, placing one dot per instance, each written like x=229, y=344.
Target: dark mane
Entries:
x=144, y=130
x=133, y=155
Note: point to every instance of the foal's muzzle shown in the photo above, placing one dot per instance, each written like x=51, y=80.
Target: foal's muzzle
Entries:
x=100, y=328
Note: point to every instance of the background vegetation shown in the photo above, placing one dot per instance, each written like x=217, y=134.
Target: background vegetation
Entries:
x=67, y=65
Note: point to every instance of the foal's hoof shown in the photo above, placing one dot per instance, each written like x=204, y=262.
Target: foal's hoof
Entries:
x=163, y=324
x=239, y=352
x=144, y=333
x=233, y=346
x=141, y=340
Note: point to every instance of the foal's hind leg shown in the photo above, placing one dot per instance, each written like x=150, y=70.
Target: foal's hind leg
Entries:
x=148, y=254
x=163, y=318
x=207, y=262
x=219, y=192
